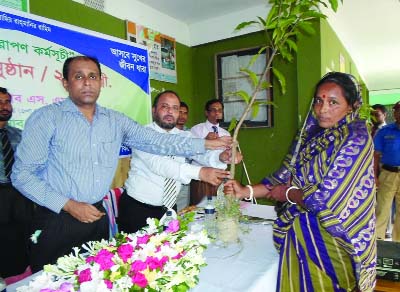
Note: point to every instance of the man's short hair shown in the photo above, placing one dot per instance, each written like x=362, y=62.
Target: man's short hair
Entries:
x=4, y=91
x=211, y=102
x=380, y=107
x=68, y=62
x=183, y=104
x=155, y=102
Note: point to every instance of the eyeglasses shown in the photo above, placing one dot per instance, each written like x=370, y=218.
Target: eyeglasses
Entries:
x=215, y=110
x=167, y=107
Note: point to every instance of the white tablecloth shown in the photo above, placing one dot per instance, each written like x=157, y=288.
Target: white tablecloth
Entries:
x=249, y=266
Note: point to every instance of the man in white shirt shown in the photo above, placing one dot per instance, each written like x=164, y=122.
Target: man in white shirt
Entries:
x=210, y=130
x=145, y=195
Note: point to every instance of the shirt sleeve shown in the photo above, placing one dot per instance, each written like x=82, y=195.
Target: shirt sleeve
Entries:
x=31, y=161
x=167, y=167
x=147, y=140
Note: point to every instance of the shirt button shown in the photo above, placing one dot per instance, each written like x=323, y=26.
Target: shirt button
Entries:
x=95, y=163
x=94, y=144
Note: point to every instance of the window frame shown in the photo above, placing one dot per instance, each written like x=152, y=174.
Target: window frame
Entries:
x=248, y=123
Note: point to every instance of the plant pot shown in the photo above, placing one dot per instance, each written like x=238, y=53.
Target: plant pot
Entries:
x=228, y=229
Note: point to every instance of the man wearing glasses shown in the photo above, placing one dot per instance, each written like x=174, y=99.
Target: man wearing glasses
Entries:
x=387, y=152
x=210, y=130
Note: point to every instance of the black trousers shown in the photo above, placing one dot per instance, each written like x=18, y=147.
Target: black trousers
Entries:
x=132, y=214
x=60, y=233
x=16, y=213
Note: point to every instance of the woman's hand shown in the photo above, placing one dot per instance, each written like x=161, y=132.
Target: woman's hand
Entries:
x=235, y=188
x=278, y=193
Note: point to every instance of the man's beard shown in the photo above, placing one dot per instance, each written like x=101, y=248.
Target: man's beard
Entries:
x=5, y=117
x=164, y=125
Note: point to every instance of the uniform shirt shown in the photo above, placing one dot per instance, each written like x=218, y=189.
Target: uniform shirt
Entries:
x=148, y=172
x=201, y=130
x=63, y=156
x=14, y=135
x=387, y=142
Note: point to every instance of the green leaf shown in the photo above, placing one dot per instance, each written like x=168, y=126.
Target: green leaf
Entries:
x=281, y=79
x=261, y=20
x=253, y=76
x=255, y=109
x=245, y=24
x=292, y=45
x=232, y=124
x=244, y=95
x=334, y=4
x=265, y=85
x=306, y=27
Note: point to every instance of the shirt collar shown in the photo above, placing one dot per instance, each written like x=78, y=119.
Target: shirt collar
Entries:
x=161, y=130
x=69, y=106
x=210, y=125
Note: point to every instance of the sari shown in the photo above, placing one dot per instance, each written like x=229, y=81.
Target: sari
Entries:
x=330, y=244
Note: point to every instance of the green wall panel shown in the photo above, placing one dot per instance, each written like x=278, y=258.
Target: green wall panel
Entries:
x=263, y=148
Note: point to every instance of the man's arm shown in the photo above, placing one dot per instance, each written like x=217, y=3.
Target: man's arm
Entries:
x=31, y=160
x=377, y=160
x=181, y=171
x=148, y=140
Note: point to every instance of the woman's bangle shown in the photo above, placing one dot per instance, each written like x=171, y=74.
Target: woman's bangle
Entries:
x=287, y=194
x=251, y=196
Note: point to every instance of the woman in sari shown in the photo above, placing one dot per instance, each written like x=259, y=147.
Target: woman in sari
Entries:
x=325, y=230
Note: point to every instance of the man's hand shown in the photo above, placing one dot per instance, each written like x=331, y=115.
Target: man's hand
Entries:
x=226, y=156
x=83, y=212
x=224, y=142
x=213, y=176
x=211, y=136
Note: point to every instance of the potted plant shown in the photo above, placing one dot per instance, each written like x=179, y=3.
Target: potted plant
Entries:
x=228, y=214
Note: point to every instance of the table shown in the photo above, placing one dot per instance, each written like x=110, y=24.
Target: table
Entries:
x=251, y=265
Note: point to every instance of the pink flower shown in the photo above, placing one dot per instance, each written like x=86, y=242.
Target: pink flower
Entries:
x=84, y=276
x=178, y=256
x=66, y=287
x=173, y=226
x=138, y=266
x=125, y=252
x=155, y=263
x=140, y=280
x=90, y=259
x=104, y=259
x=108, y=283
x=142, y=239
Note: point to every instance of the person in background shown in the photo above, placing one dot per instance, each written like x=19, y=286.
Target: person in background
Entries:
x=183, y=199
x=325, y=231
x=379, y=112
x=210, y=130
x=154, y=180
x=183, y=117
x=15, y=210
x=67, y=158
x=387, y=154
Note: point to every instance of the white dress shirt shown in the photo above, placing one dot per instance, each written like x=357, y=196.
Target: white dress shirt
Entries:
x=146, y=177
x=201, y=130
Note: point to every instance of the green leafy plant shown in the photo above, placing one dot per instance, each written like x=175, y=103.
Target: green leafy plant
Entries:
x=286, y=21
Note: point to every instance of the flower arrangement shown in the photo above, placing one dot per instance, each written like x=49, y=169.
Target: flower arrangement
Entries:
x=151, y=259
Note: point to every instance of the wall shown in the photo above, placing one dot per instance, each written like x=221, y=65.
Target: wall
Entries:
x=263, y=148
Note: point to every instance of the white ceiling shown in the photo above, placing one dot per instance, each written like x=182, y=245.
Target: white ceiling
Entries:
x=367, y=28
